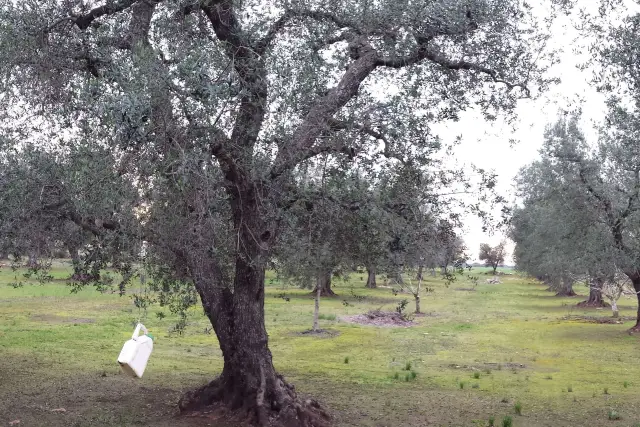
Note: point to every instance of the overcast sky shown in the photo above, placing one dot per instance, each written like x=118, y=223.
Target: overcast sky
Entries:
x=487, y=145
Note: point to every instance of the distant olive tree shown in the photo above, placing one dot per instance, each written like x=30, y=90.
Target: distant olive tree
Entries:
x=493, y=256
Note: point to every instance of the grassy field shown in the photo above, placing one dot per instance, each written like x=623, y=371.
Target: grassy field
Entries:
x=478, y=353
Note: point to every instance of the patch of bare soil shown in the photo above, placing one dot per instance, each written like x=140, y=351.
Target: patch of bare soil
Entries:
x=599, y=320
x=380, y=318
x=52, y=318
x=487, y=365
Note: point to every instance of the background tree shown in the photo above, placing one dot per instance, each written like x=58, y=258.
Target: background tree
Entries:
x=492, y=256
x=208, y=109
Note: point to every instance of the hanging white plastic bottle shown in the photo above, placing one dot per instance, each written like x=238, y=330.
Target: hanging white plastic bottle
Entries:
x=135, y=353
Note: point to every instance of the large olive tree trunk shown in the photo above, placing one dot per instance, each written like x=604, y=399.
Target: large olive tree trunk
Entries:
x=323, y=281
x=397, y=276
x=371, y=277
x=565, y=288
x=249, y=386
x=595, y=295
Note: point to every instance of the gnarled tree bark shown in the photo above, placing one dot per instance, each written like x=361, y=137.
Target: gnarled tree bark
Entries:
x=371, y=277
x=595, y=295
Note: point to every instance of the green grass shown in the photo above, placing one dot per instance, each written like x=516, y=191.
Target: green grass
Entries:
x=55, y=346
x=517, y=408
x=613, y=415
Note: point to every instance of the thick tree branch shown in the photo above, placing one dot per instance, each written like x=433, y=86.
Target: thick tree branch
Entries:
x=110, y=8
x=85, y=20
x=249, y=66
x=423, y=53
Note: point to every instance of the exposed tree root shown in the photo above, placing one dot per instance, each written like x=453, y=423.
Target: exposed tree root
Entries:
x=270, y=405
x=566, y=294
x=324, y=292
x=593, y=304
x=635, y=329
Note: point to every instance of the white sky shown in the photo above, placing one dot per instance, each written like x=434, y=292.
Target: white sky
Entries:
x=487, y=144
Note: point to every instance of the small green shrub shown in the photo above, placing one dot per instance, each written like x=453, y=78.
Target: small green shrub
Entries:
x=461, y=385
x=614, y=415
x=517, y=407
x=606, y=390
x=396, y=376
x=492, y=421
x=407, y=366
x=487, y=371
x=626, y=384
x=346, y=360
x=406, y=378
x=476, y=375
x=413, y=375
x=569, y=388
x=476, y=385
x=507, y=421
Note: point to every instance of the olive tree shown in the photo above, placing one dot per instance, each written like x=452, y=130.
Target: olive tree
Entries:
x=209, y=107
x=492, y=256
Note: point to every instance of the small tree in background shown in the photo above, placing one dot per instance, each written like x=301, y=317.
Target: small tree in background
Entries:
x=492, y=256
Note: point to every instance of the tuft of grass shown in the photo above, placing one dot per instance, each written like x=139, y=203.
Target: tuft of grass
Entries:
x=569, y=388
x=517, y=407
x=407, y=366
x=613, y=415
x=327, y=316
x=606, y=390
x=476, y=385
x=346, y=360
x=507, y=421
x=548, y=377
x=626, y=384
x=492, y=421
x=476, y=375
x=461, y=385
x=396, y=375
x=413, y=375
x=487, y=371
